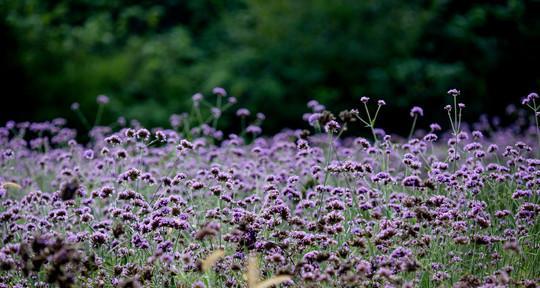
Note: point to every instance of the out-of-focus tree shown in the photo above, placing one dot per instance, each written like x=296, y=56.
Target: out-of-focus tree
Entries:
x=150, y=57
x=407, y=52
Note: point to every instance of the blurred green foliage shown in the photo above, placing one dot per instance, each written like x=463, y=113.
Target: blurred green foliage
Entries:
x=151, y=56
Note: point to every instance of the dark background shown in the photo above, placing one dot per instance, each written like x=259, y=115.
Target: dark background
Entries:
x=274, y=56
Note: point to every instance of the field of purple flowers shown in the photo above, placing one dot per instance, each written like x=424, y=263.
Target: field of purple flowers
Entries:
x=188, y=206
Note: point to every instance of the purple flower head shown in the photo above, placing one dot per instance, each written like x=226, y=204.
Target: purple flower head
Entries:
x=314, y=118
x=102, y=99
x=364, y=99
x=219, y=91
x=477, y=134
x=143, y=134
x=529, y=99
x=185, y=144
x=99, y=238
x=121, y=121
x=254, y=129
x=412, y=181
x=198, y=284
x=430, y=137
x=175, y=120
x=521, y=194
x=161, y=135
x=89, y=154
x=454, y=92
x=381, y=103
x=416, y=111
x=197, y=97
x=332, y=127
x=312, y=103
x=114, y=139
x=216, y=112
x=243, y=112
x=380, y=132
x=435, y=127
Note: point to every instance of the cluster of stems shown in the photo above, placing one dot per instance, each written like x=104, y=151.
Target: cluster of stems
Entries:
x=370, y=121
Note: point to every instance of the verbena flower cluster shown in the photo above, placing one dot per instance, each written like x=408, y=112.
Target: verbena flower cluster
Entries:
x=189, y=206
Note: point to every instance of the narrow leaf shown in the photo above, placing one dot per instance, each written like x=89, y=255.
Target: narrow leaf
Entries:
x=252, y=272
x=212, y=259
x=11, y=185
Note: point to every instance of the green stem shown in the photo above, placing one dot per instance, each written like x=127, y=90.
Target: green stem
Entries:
x=98, y=115
x=327, y=162
x=83, y=119
x=215, y=121
x=455, y=110
x=535, y=110
x=412, y=127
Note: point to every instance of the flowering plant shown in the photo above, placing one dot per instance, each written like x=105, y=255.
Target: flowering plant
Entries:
x=189, y=206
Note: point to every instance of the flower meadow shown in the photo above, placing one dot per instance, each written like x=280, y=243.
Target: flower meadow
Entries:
x=188, y=206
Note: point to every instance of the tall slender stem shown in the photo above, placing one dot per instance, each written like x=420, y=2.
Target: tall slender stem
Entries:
x=98, y=115
x=412, y=127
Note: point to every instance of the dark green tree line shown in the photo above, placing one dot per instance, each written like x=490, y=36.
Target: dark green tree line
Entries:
x=151, y=56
